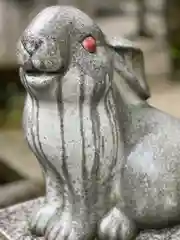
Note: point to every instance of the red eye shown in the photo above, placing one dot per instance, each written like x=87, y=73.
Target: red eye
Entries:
x=89, y=44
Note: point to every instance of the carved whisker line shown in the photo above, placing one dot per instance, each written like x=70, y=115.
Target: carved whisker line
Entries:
x=49, y=164
x=116, y=129
x=109, y=107
x=81, y=118
x=34, y=146
x=95, y=119
x=43, y=164
x=60, y=106
x=108, y=111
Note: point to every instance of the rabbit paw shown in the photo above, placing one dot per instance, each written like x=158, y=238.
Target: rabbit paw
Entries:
x=53, y=223
x=60, y=228
x=116, y=226
x=41, y=218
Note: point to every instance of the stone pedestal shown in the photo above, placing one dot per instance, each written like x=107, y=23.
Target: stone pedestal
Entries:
x=14, y=220
x=14, y=224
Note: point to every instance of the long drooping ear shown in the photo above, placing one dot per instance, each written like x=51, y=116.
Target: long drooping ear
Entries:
x=129, y=63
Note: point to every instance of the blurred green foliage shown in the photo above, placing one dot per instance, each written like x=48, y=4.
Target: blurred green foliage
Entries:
x=175, y=52
x=11, y=117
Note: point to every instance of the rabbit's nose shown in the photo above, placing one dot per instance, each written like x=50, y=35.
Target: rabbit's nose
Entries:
x=23, y=57
x=31, y=43
x=44, y=58
x=26, y=48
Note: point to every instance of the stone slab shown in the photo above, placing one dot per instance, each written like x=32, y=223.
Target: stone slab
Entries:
x=14, y=224
x=14, y=220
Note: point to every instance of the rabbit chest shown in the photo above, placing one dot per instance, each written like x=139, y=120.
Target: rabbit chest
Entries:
x=86, y=138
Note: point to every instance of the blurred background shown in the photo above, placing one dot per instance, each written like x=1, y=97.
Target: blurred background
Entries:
x=153, y=25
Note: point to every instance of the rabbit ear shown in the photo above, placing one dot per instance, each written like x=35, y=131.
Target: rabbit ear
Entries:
x=129, y=63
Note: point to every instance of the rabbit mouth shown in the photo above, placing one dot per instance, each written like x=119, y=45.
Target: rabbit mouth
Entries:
x=38, y=80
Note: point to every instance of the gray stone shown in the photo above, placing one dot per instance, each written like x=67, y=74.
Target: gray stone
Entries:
x=14, y=224
x=14, y=220
x=110, y=161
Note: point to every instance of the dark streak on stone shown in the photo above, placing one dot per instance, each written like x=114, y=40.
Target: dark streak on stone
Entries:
x=36, y=152
x=60, y=105
x=97, y=94
x=109, y=106
x=81, y=118
x=102, y=145
x=39, y=153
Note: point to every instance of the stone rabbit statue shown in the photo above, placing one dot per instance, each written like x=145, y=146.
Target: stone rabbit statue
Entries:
x=110, y=161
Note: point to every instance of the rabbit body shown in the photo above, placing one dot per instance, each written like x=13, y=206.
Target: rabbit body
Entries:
x=91, y=144
x=150, y=176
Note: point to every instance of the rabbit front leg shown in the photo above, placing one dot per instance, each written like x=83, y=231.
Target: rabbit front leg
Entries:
x=54, y=202
x=55, y=219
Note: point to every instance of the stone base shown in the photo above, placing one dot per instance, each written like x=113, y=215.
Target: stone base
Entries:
x=14, y=220
x=14, y=224
x=163, y=234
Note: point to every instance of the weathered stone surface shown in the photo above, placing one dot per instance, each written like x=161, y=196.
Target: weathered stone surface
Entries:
x=14, y=224
x=14, y=220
